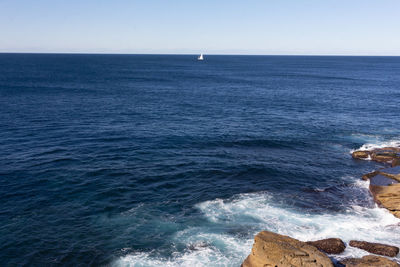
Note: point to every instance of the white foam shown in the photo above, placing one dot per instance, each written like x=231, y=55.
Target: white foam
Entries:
x=211, y=245
x=203, y=253
x=356, y=222
x=204, y=249
x=201, y=257
x=362, y=183
x=378, y=144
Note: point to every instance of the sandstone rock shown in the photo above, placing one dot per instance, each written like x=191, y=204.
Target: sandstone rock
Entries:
x=387, y=197
x=330, y=245
x=381, y=180
x=376, y=248
x=396, y=162
x=370, y=175
x=369, y=261
x=360, y=154
x=384, y=155
x=393, y=173
x=272, y=249
x=385, y=188
x=396, y=213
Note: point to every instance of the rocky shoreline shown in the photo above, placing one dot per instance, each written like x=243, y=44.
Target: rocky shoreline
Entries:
x=384, y=183
x=272, y=249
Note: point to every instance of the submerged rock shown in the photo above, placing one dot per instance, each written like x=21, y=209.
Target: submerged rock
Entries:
x=381, y=180
x=369, y=261
x=393, y=173
x=376, y=248
x=271, y=249
x=370, y=175
x=329, y=245
x=198, y=245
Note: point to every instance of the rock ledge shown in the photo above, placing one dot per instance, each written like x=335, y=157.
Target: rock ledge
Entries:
x=369, y=261
x=376, y=248
x=271, y=249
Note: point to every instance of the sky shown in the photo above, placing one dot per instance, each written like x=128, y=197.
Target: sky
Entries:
x=271, y=27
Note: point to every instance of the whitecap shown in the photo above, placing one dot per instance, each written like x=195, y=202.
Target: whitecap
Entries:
x=199, y=257
x=246, y=214
x=378, y=144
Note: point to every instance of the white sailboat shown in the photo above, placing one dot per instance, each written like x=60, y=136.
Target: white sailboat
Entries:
x=200, y=57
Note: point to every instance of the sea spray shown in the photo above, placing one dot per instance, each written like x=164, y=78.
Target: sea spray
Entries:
x=246, y=214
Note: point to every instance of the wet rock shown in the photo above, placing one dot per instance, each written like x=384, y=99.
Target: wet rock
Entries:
x=198, y=245
x=387, y=197
x=360, y=154
x=384, y=155
x=271, y=249
x=370, y=175
x=329, y=245
x=369, y=261
x=376, y=248
x=396, y=162
x=381, y=180
x=385, y=188
x=393, y=173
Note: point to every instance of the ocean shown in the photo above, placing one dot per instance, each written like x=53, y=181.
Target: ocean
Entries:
x=163, y=160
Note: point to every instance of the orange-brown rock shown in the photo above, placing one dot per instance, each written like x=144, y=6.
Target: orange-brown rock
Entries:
x=393, y=173
x=387, y=197
x=271, y=249
x=396, y=162
x=390, y=173
x=370, y=175
x=360, y=154
x=369, y=261
x=385, y=188
x=385, y=155
x=376, y=248
x=329, y=245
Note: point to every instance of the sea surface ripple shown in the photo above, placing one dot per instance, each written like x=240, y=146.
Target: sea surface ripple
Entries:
x=161, y=160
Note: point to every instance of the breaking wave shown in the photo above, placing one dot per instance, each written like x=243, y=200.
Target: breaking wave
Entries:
x=378, y=144
x=227, y=237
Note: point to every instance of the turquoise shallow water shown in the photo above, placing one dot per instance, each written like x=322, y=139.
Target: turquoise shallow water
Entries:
x=146, y=160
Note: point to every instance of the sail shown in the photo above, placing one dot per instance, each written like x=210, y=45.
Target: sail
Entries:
x=200, y=57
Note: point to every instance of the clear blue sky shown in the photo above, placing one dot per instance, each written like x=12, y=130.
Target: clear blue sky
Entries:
x=350, y=27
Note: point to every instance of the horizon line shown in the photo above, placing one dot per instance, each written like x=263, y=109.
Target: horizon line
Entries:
x=193, y=54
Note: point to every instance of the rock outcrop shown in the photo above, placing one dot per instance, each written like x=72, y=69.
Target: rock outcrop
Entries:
x=271, y=249
x=388, y=197
x=393, y=173
x=362, y=154
x=385, y=155
x=369, y=261
x=376, y=248
x=329, y=245
x=395, y=162
x=385, y=188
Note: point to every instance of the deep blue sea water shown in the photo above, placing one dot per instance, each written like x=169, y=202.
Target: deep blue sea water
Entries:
x=162, y=160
